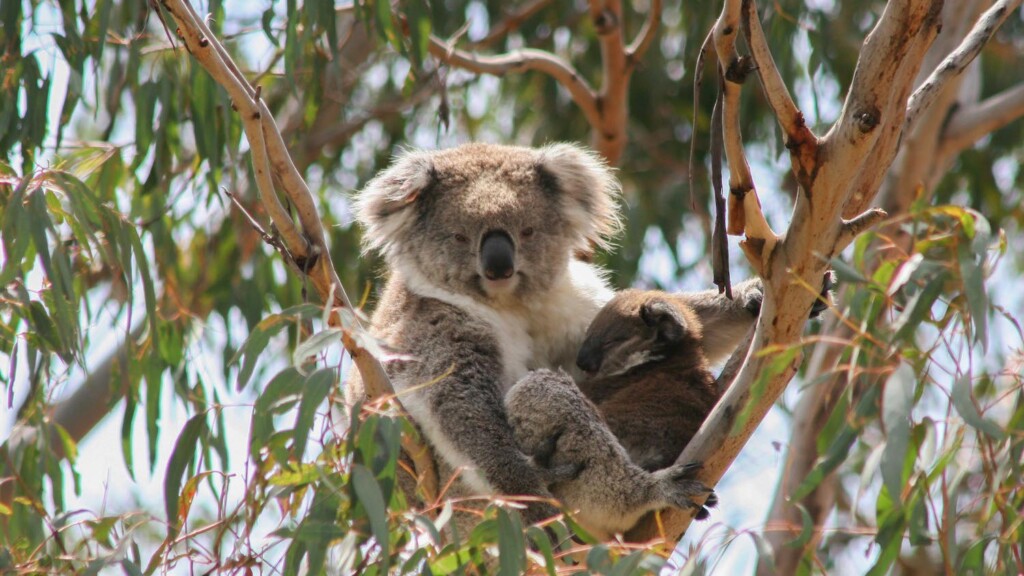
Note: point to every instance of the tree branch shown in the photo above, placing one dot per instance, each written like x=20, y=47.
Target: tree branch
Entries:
x=970, y=123
x=261, y=128
x=897, y=44
x=745, y=214
x=800, y=140
x=511, y=22
x=636, y=50
x=520, y=61
x=957, y=61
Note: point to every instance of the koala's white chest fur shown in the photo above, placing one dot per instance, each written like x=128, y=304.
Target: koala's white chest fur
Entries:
x=544, y=332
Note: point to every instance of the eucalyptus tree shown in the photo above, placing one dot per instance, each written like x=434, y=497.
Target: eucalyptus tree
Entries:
x=174, y=219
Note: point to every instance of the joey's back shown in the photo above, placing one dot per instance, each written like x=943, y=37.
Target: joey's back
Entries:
x=648, y=374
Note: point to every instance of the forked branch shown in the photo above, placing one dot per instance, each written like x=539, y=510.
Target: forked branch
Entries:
x=883, y=80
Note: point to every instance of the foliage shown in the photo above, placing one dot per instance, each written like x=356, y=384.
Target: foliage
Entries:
x=115, y=227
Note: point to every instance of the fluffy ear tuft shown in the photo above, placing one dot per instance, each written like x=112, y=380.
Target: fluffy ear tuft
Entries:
x=590, y=192
x=382, y=206
x=663, y=317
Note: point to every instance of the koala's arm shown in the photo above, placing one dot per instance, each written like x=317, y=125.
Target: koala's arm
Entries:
x=726, y=321
x=455, y=395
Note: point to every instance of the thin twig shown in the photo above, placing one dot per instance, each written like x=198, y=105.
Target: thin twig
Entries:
x=510, y=23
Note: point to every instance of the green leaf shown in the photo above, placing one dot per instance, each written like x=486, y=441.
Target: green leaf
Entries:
x=315, y=344
x=256, y=343
x=977, y=299
x=897, y=402
x=511, y=544
x=963, y=401
x=918, y=309
x=315, y=391
x=542, y=544
x=367, y=493
x=287, y=384
x=806, y=527
x=185, y=449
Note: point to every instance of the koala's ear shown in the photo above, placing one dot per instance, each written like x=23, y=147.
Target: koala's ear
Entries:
x=381, y=207
x=664, y=318
x=590, y=192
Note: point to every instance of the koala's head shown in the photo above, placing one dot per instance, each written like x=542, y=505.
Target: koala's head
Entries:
x=635, y=328
x=489, y=221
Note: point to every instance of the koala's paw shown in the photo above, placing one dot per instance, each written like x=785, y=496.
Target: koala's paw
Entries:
x=682, y=489
x=752, y=298
x=828, y=282
x=560, y=473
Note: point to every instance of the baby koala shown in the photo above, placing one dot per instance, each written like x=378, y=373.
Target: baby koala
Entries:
x=647, y=358
x=588, y=470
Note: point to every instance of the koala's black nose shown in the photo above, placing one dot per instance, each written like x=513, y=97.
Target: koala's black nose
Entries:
x=589, y=358
x=497, y=255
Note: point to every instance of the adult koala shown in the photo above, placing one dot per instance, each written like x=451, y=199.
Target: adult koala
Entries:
x=483, y=286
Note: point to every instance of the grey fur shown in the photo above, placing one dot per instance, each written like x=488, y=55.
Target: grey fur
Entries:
x=471, y=339
x=593, y=474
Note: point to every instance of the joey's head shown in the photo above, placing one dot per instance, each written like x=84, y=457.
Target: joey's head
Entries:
x=489, y=221
x=636, y=328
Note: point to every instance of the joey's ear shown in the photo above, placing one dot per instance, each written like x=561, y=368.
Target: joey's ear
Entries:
x=664, y=318
x=381, y=207
x=590, y=192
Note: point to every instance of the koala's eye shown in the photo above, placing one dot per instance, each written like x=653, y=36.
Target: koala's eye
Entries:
x=461, y=238
x=526, y=232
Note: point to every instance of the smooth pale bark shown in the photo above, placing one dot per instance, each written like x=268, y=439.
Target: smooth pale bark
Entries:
x=924, y=155
x=793, y=263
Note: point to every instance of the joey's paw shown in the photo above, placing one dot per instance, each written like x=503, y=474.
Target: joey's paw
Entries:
x=821, y=304
x=752, y=299
x=544, y=452
x=560, y=472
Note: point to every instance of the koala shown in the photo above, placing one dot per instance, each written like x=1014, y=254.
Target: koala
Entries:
x=591, y=472
x=484, y=285
x=647, y=356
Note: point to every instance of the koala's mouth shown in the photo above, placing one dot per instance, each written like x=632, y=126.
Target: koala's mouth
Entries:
x=499, y=287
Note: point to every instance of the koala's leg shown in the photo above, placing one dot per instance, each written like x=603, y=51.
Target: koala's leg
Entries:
x=726, y=321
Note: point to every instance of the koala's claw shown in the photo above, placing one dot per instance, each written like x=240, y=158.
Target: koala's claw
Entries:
x=684, y=471
x=827, y=284
x=703, y=512
x=682, y=488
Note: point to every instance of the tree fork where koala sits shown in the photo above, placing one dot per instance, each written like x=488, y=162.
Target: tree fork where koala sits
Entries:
x=830, y=171
x=938, y=99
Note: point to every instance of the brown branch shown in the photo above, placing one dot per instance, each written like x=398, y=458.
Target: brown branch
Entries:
x=636, y=49
x=745, y=214
x=800, y=140
x=958, y=60
x=261, y=128
x=520, y=61
x=897, y=43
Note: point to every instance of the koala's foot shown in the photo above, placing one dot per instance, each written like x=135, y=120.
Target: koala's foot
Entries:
x=827, y=284
x=681, y=488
